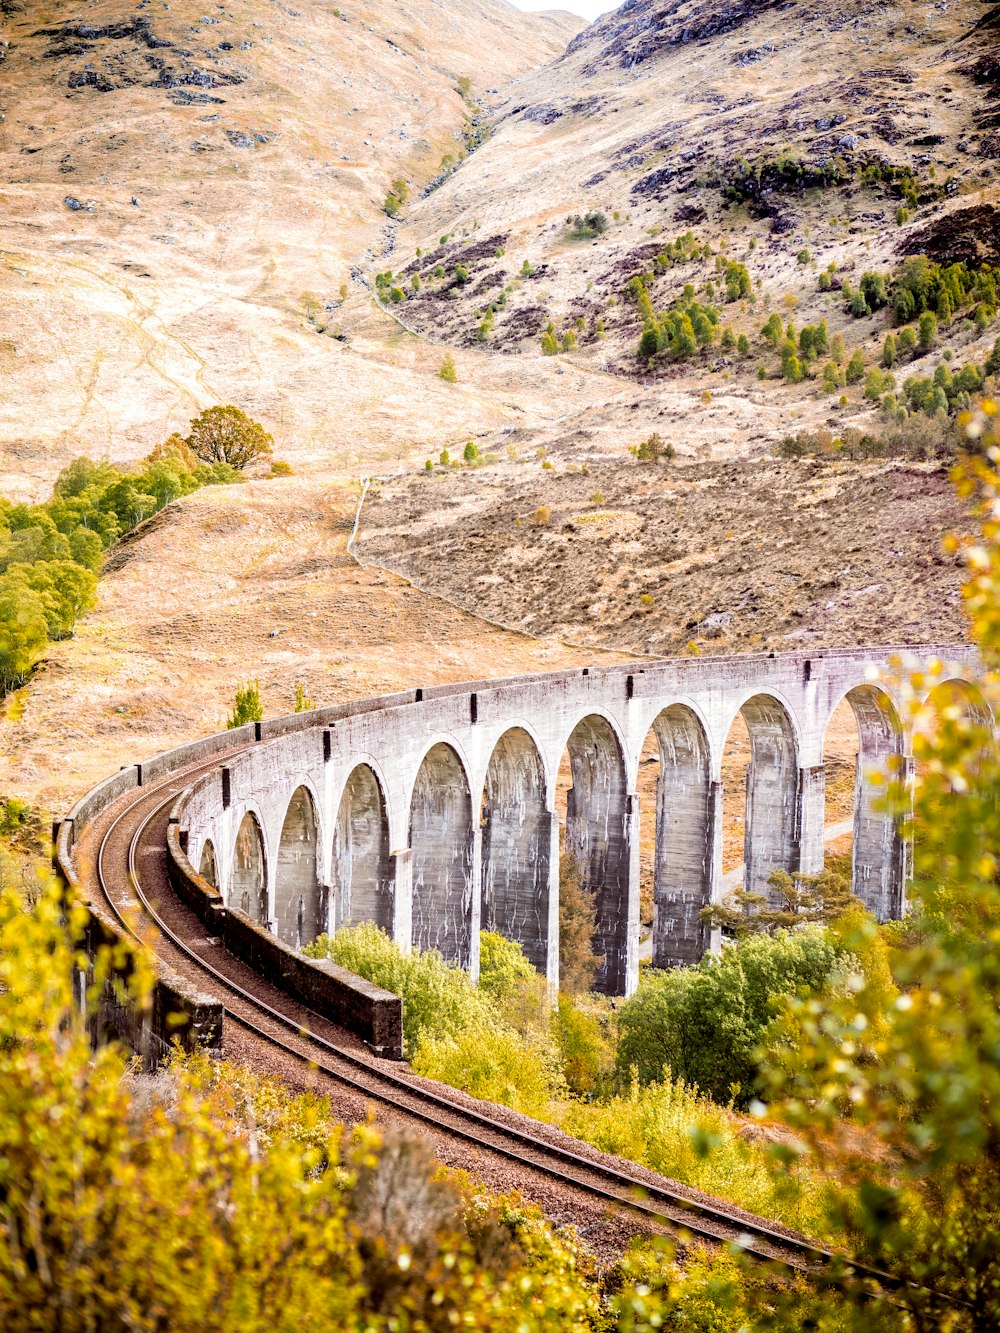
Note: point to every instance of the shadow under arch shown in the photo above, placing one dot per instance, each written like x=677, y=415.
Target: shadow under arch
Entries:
x=248, y=883
x=441, y=843
x=362, y=865
x=878, y=855
x=685, y=834
x=207, y=867
x=772, y=793
x=517, y=846
x=299, y=899
x=598, y=815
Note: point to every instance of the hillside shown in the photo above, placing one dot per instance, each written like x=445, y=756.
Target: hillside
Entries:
x=181, y=184
x=197, y=208
x=768, y=129
x=708, y=168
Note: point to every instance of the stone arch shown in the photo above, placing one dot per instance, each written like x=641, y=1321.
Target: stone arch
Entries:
x=685, y=837
x=878, y=863
x=771, y=831
x=441, y=843
x=598, y=838
x=362, y=865
x=207, y=867
x=517, y=846
x=248, y=882
x=299, y=900
x=962, y=693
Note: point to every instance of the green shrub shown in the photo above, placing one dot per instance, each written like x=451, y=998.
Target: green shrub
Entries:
x=471, y=452
x=773, y=330
x=649, y=344
x=737, y=280
x=670, y=1127
x=927, y=327
x=706, y=1022
x=448, y=372
x=247, y=706
x=793, y=370
x=493, y=1063
x=492, y=1040
x=585, y=1054
x=856, y=367
x=503, y=968
x=588, y=227
x=875, y=289
x=685, y=328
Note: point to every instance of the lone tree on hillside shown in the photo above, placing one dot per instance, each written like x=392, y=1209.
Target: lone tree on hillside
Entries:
x=228, y=435
x=247, y=706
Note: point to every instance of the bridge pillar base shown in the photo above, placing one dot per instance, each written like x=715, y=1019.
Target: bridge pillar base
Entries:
x=402, y=898
x=811, y=819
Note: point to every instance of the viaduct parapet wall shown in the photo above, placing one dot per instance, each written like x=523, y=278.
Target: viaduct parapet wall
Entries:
x=433, y=812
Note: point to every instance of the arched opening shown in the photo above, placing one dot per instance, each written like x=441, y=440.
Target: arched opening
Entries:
x=362, y=868
x=877, y=862
x=596, y=841
x=761, y=797
x=248, y=892
x=517, y=839
x=207, y=868
x=959, y=700
x=682, y=869
x=299, y=899
x=441, y=840
x=841, y=748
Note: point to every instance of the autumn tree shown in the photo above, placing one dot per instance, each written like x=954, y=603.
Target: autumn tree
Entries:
x=248, y=707
x=228, y=435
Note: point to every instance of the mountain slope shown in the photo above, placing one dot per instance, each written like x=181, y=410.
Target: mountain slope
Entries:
x=751, y=124
x=177, y=178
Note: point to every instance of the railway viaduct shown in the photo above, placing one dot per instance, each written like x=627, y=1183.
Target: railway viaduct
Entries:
x=433, y=813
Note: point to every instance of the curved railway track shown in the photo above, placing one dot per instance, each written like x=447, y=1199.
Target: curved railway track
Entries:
x=138, y=832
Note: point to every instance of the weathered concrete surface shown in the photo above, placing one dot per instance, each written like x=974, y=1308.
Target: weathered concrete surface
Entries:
x=450, y=824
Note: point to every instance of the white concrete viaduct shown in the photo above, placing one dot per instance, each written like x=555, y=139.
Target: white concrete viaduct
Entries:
x=433, y=813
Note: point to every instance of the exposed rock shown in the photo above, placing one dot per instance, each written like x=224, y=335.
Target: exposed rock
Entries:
x=544, y=114
x=969, y=235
